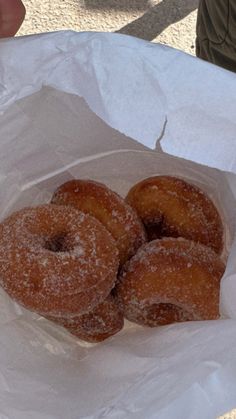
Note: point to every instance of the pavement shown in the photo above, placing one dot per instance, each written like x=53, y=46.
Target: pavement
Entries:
x=171, y=22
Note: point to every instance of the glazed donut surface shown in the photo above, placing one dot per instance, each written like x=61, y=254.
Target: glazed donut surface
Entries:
x=56, y=259
x=170, y=280
x=109, y=208
x=171, y=207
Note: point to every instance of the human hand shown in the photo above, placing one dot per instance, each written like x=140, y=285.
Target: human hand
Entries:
x=12, y=13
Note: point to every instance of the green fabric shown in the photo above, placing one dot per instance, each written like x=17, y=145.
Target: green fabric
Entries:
x=216, y=32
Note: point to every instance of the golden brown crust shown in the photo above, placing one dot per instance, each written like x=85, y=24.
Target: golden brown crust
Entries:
x=171, y=280
x=105, y=320
x=171, y=207
x=56, y=259
x=109, y=208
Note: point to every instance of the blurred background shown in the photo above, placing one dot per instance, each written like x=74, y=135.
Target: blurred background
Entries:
x=170, y=22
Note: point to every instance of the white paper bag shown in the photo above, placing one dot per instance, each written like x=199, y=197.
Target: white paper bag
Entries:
x=89, y=105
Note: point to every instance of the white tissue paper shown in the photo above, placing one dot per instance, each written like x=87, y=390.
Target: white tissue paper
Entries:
x=102, y=106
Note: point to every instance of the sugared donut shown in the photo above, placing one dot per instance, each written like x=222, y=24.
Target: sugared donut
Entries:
x=103, y=321
x=109, y=208
x=171, y=207
x=56, y=259
x=170, y=280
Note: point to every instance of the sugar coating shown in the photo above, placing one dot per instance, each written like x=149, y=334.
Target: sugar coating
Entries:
x=109, y=208
x=172, y=207
x=103, y=321
x=55, y=259
x=169, y=280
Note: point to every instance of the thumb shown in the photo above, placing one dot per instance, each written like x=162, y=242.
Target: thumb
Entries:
x=12, y=13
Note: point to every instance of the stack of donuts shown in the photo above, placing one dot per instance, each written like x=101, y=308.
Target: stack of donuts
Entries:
x=89, y=258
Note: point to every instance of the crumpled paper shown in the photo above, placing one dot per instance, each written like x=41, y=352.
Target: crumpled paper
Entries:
x=92, y=105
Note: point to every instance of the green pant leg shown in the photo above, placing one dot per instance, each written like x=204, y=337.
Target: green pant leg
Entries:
x=216, y=32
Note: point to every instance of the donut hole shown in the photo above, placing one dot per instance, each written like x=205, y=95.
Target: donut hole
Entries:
x=57, y=243
x=165, y=313
x=153, y=226
x=159, y=227
x=153, y=230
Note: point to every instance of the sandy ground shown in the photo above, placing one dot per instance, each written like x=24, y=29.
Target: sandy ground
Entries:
x=171, y=22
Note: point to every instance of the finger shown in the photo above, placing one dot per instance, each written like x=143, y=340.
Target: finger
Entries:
x=12, y=13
